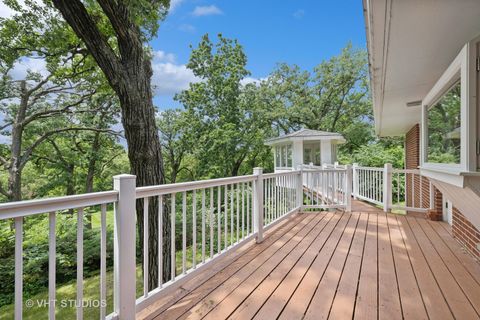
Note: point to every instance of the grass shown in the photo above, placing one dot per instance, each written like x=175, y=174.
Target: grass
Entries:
x=67, y=293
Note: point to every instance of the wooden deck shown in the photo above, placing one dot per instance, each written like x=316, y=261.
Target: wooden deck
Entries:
x=336, y=265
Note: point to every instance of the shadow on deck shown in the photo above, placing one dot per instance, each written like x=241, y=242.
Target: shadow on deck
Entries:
x=336, y=265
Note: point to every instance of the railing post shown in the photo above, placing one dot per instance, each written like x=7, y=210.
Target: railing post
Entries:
x=348, y=187
x=387, y=187
x=355, y=180
x=299, y=188
x=124, y=247
x=258, y=204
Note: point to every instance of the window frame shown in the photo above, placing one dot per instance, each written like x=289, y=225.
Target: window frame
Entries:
x=459, y=70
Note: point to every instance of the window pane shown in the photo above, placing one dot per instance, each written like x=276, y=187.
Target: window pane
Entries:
x=444, y=128
x=306, y=155
x=277, y=156
x=289, y=156
x=311, y=154
x=317, y=161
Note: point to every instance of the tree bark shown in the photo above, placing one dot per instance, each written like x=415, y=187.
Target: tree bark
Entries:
x=14, y=190
x=129, y=75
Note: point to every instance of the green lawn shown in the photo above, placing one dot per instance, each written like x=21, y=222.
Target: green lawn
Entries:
x=67, y=292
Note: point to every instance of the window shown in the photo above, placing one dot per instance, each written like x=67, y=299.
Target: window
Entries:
x=311, y=154
x=443, y=128
x=283, y=156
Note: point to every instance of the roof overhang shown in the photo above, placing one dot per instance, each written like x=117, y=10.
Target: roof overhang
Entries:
x=336, y=139
x=410, y=44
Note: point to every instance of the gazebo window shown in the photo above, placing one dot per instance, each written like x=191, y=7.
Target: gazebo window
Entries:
x=311, y=154
x=283, y=156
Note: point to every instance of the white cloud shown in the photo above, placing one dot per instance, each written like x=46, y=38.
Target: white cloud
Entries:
x=206, y=11
x=162, y=56
x=175, y=4
x=19, y=70
x=249, y=80
x=187, y=28
x=5, y=11
x=299, y=14
x=169, y=77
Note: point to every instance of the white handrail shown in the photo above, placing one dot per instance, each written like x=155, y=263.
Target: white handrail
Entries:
x=30, y=207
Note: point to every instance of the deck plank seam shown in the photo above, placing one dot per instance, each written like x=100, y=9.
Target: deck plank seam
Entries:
x=286, y=255
x=281, y=234
x=329, y=260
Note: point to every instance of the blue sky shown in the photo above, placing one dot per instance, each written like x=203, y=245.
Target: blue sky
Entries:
x=302, y=32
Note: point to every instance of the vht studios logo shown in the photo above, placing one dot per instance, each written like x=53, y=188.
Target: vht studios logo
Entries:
x=65, y=303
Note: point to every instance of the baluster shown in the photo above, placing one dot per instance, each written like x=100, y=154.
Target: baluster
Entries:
x=52, y=264
x=184, y=232
x=211, y=222
x=103, y=262
x=248, y=207
x=226, y=217
x=194, y=229
x=172, y=237
x=18, y=268
x=238, y=213
x=243, y=210
x=145, y=247
x=232, y=209
x=219, y=230
x=80, y=264
x=203, y=225
x=160, y=241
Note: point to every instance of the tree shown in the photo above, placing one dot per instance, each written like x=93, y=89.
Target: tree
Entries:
x=117, y=43
x=335, y=97
x=37, y=105
x=178, y=130
x=230, y=128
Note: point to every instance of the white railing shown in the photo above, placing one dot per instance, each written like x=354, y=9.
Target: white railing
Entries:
x=411, y=191
x=18, y=211
x=327, y=188
x=392, y=189
x=214, y=216
x=368, y=184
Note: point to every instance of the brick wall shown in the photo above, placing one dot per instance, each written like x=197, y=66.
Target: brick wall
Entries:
x=462, y=229
x=465, y=232
x=418, y=192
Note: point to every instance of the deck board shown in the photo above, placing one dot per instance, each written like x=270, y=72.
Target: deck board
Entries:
x=334, y=265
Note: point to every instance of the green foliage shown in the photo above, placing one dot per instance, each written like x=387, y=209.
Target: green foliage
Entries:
x=375, y=155
x=230, y=128
x=444, y=128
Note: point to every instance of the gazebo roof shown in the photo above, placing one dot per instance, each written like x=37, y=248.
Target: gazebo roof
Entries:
x=306, y=135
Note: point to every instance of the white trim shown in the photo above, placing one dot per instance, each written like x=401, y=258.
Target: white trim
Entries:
x=456, y=71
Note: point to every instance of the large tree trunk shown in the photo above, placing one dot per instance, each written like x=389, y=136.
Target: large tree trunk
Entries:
x=129, y=75
x=92, y=162
x=14, y=190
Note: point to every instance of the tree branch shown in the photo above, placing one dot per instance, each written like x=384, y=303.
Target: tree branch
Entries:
x=75, y=13
x=28, y=152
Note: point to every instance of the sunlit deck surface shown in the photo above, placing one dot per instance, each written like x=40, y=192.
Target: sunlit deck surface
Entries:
x=339, y=266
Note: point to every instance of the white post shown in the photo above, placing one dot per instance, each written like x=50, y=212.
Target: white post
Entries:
x=387, y=187
x=348, y=189
x=355, y=180
x=258, y=204
x=299, y=189
x=124, y=247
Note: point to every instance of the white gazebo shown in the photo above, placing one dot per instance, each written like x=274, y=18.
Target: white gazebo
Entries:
x=304, y=147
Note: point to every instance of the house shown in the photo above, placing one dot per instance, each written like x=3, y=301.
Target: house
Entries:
x=304, y=146
x=424, y=69
x=262, y=246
